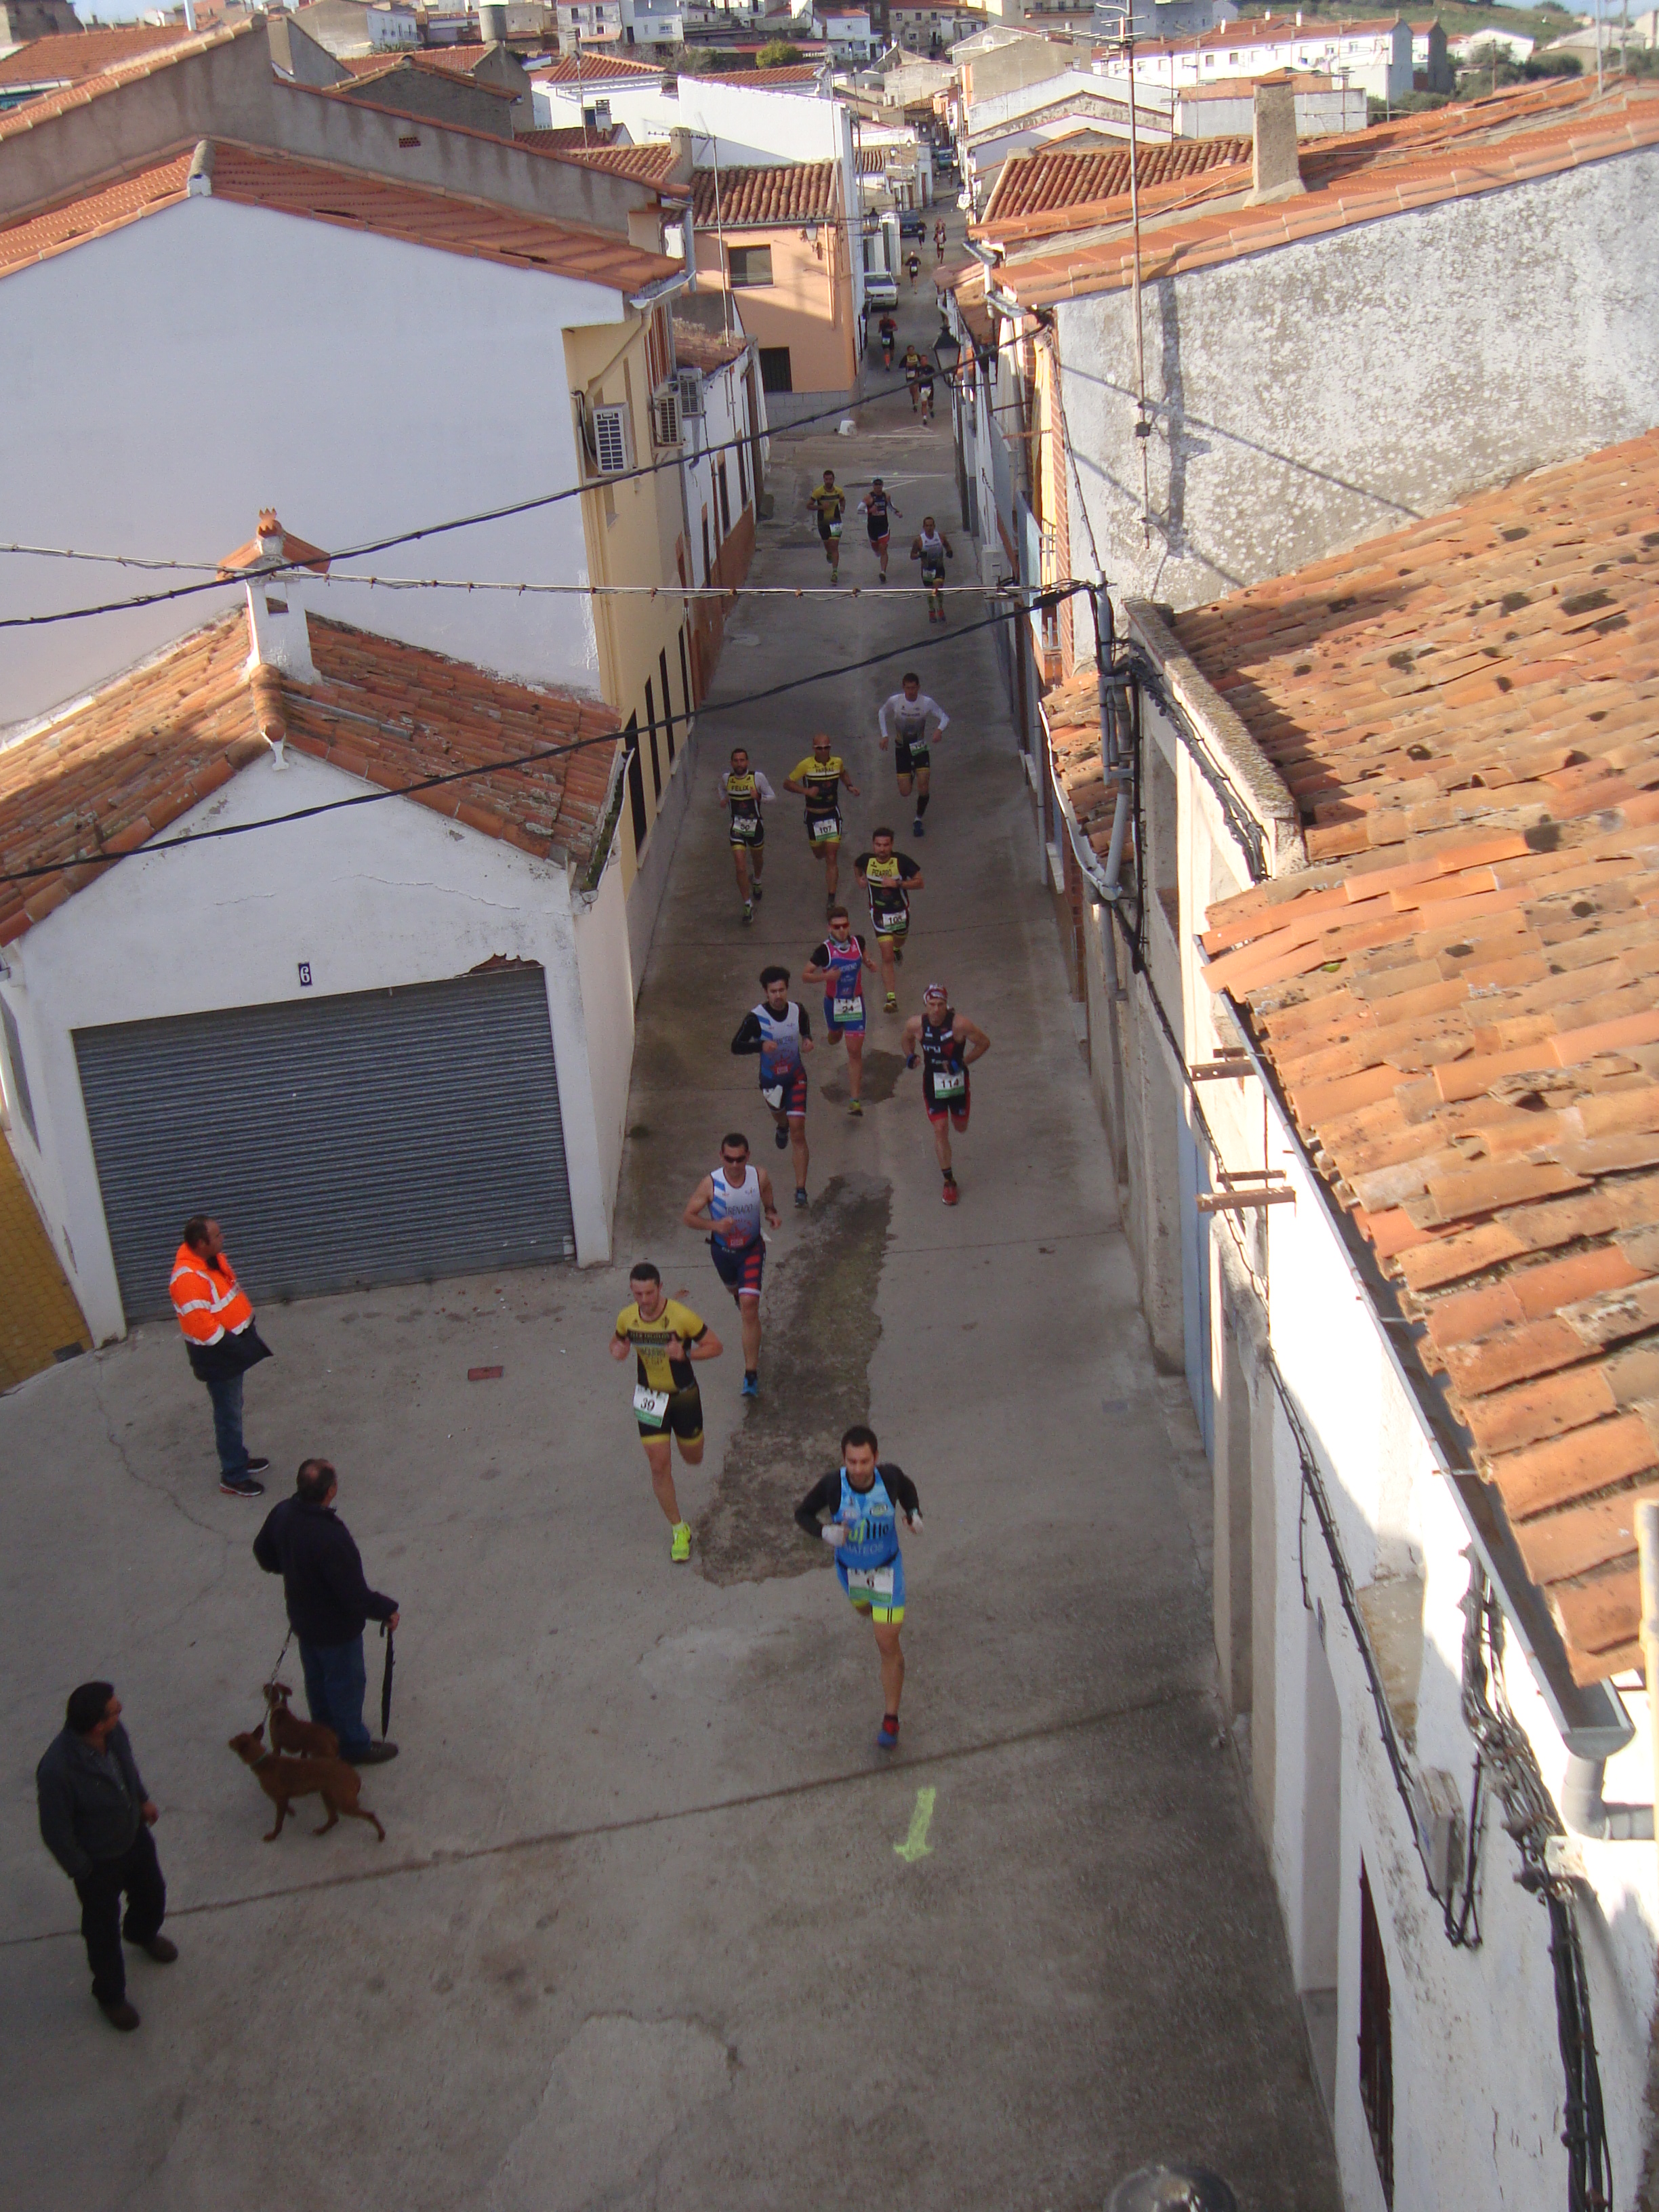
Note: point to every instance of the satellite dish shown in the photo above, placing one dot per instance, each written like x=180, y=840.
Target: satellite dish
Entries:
x=1172, y=2189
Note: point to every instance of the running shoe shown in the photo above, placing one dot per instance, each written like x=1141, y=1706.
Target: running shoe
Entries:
x=801, y=1194
x=950, y=1193
x=898, y=955
x=757, y=894
x=887, y=1734
x=856, y=1107
x=748, y=910
x=892, y=1006
x=918, y=829
x=781, y=1139
x=680, y=1550
x=884, y=575
x=751, y=1383
x=241, y=1486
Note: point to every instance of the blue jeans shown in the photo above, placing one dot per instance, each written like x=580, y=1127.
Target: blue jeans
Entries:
x=334, y=1681
x=226, y=1392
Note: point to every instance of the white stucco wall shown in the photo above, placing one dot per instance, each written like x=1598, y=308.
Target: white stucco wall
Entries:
x=1329, y=391
x=192, y=367
x=374, y=897
x=1476, y=2071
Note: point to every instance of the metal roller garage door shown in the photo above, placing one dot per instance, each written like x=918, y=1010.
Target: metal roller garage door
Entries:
x=382, y=1137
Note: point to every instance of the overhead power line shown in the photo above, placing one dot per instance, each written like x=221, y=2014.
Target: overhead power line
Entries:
x=1053, y=595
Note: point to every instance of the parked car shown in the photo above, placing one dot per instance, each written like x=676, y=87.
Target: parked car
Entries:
x=913, y=225
x=880, y=290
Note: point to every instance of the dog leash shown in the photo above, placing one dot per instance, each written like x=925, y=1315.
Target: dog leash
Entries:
x=271, y=1677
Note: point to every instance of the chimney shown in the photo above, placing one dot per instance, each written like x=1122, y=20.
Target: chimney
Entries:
x=279, y=638
x=685, y=161
x=198, y=185
x=1277, y=173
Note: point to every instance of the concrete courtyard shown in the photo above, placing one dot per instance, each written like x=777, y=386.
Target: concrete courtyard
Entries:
x=639, y=1934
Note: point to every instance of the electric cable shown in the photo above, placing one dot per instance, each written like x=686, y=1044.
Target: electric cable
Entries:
x=36, y=870
x=515, y=508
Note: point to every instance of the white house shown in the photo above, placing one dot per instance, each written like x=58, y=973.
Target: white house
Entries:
x=1370, y=1007
x=382, y=1042
x=588, y=23
x=1373, y=53
x=845, y=30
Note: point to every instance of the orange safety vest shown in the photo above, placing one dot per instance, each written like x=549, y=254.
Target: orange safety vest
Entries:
x=209, y=1304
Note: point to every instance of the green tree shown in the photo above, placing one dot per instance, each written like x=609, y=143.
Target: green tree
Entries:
x=777, y=53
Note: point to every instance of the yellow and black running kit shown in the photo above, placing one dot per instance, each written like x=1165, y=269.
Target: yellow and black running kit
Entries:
x=742, y=793
x=666, y=1400
x=822, y=780
x=829, y=503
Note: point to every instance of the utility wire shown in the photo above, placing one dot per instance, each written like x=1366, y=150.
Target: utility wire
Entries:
x=216, y=583
x=520, y=760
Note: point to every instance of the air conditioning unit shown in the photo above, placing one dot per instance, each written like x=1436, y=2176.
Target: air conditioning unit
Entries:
x=665, y=410
x=612, y=446
x=690, y=382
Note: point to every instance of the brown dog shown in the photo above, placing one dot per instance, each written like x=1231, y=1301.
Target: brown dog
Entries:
x=283, y=1779
x=288, y=1733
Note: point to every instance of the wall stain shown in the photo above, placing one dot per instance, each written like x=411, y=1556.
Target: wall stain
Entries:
x=821, y=1329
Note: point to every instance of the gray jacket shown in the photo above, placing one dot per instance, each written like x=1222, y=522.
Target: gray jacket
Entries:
x=89, y=1805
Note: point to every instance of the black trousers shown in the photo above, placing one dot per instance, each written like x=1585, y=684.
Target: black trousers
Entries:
x=139, y=1872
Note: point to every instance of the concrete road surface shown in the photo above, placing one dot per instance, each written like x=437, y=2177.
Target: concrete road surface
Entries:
x=654, y=1924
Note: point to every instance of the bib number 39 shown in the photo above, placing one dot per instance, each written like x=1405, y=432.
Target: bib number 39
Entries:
x=651, y=1407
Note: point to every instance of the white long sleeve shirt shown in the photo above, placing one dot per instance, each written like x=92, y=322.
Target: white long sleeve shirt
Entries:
x=908, y=717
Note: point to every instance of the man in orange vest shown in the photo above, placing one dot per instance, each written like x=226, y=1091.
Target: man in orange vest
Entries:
x=222, y=1343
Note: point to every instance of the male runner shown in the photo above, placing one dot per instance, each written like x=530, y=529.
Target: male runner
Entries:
x=924, y=387
x=839, y=965
x=889, y=330
x=876, y=507
x=933, y=548
x=743, y=790
x=913, y=263
x=781, y=1031
x=938, y=238
x=864, y=1498
x=818, y=778
x=889, y=878
x=729, y=1203
x=907, y=711
x=829, y=503
x=948, y=1044
x=666, y=1337
x=912, y=373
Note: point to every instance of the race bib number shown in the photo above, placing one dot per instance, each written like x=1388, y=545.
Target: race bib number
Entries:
x=932, y=572
x=891, y=925
x=950, y=1082
x=878, y=1581
x=772, y=1094
x=849, y=1009
x=744, y=825
x=822, y=826
x=650, y=1407
x=918, y=752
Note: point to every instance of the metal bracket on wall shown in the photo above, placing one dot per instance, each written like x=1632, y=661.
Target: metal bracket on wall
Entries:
x=1271, y=1189
x=1232, y=1064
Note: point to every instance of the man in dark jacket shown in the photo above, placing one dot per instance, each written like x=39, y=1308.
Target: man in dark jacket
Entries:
x=95, y=1820
x=306, y=1542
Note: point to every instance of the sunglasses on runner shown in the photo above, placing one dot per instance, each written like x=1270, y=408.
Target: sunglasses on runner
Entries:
x=734, y=1159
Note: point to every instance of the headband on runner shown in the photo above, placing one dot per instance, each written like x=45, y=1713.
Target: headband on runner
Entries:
x=936, y=991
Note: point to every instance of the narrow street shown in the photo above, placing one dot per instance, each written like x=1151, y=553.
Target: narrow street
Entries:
x=640, y=1934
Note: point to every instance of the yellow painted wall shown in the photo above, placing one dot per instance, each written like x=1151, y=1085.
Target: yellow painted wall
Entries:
x=38, y=1317
x=632, y=531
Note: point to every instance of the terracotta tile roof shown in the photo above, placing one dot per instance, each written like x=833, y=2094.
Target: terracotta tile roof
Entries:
x=589, y=69
x=1459, y=996
x=166, y=47
x=370, y=73
x=648, y=165
x=786, y=73
x=422, y=215
x=589, y=138
x=796, y=191
x=1033, y=189
x=71, y=57
x=1452, y=153
x=113, y=772
x=699, y=348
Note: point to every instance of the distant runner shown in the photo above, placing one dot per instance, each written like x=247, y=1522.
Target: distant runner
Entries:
x=904, y=718
x=743, y=790
x=730, y=1203
x=912, y=373
x=818, y=778
x=924, y=387
x=933, y=548
x=889, y=878
x=947, y=1043
x=877, y=508
x=938, y=238
x=829, y=503
x=839, y=965
x=666, y=1337
x=913, y=263
x=864, y=1498
x=779, y=1030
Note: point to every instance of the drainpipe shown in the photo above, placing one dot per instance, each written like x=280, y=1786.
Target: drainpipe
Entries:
x=1586, y=1815
x=1114, y=755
